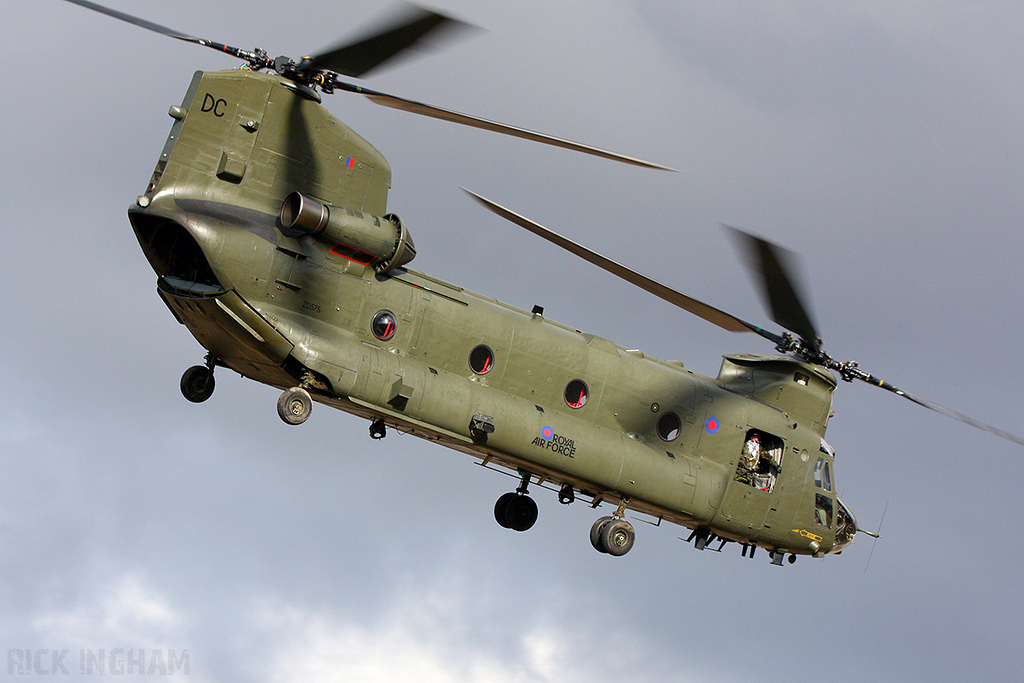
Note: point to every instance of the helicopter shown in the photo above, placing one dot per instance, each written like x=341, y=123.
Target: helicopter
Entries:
x=267, y=225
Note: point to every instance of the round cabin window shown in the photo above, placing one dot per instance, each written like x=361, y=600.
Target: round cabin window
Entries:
x=576, y=393
x=384, y=325
x=481, y=360
x=669, y=425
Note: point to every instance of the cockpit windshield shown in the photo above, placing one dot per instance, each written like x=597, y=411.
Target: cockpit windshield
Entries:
x=846, y=527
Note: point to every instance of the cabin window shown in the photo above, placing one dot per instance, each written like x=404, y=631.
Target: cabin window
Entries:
x=576, y=393
x=384, y=325
x=481, y=360
x=669, y=425
x=760, y=463
x=822, y=475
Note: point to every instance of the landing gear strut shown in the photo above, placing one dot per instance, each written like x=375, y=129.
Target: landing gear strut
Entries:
x=515, y=509
x=197, y=382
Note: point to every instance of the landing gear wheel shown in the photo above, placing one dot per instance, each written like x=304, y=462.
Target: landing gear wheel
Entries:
x=595, y=533
x=295, y=405
x=197, y=383
x=617, y=537
x=520, y=512
x=501, y=507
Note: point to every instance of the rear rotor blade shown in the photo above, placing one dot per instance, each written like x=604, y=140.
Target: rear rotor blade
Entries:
x=358, y=58
x=234, y=51
x=774, y=265
x=135, y=20
x=698, y=308
x=396, y=102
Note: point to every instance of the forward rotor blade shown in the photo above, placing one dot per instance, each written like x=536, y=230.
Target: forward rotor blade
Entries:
x=396, y=102
x=400, y=35
x=851, y=372
x=966, y=419
x=774, y=266
x=698, y=308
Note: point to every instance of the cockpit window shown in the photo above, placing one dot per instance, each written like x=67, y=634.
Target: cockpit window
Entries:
x=760, y=463
x=822, y=475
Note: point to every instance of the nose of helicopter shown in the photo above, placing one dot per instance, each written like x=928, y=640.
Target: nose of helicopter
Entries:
x=846, y=527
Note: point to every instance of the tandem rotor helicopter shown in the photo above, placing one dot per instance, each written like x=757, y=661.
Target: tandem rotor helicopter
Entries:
x=267, y=224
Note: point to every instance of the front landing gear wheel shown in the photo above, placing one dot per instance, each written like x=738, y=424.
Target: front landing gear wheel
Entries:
x=515, y=511
x=612, y=536
x=295, y=405
x=501, y=506
x=521, y=513
x=595, y=533
x=197, y=383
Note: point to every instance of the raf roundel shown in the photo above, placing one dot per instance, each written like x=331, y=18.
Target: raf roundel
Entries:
x=711, y=425
x=547, y=433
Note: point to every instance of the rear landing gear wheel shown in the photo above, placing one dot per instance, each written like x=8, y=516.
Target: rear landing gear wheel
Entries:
x=618, y=537
x=197, y=383
x=295, y=405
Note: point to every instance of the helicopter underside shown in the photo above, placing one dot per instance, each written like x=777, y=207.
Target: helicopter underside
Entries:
x=237, y=336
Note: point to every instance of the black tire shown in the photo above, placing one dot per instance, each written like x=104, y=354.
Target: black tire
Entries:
x=197, y=383
x=521, y=513
x=595, y=533
x=295, y=405
x=618, y=537
x=501, y=506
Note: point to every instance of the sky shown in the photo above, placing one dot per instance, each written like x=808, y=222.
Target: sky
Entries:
x=880, y=140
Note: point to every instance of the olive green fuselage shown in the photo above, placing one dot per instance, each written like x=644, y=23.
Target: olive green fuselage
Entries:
x=283, y=307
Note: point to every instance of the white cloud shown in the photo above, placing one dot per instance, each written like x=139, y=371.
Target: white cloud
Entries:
x=414, y=644
x=125, y=612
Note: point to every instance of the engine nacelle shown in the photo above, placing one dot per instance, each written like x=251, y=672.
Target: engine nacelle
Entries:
x=380, y=242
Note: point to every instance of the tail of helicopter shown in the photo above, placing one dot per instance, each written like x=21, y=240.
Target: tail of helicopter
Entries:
x=271, y=133
x=240, y=144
